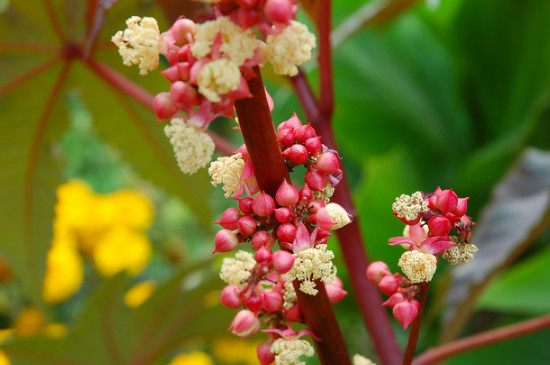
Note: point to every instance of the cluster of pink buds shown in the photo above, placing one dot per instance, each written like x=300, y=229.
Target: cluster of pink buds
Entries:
x=260, y=283
x=249, y=13
x=429, y=220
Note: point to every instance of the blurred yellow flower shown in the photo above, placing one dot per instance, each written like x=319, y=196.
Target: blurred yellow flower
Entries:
x=235, y=351
x=74, y=204
x=193, y=358
x=122, y=249
x=64, y=272
x=4, y=360
x=139, y=293
x=30, y=322
x=126, y=208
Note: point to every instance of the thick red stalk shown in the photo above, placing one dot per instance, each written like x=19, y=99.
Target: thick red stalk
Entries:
x=270, y=170
x=415, y=327
x=326, y=104
x=440, y=353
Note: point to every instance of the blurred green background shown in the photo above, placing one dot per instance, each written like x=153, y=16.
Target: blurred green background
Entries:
x=450, y=93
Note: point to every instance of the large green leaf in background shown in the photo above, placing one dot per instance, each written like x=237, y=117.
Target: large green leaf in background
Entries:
x=33, y=119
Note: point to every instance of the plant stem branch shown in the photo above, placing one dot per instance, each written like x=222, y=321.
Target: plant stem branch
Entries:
x=482, y=339
x=21, y=79
x=270, y=171
x=326, y=104
x=415, y=327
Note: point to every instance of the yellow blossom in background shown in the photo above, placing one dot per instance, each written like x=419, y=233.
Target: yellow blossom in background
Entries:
x=30, y=322
x=64, y=272
x=235, y=351
x=122, y=249
x=139, y=293
x=4, y=360
x=127, y=208
x=193, y=358
x=75, y=200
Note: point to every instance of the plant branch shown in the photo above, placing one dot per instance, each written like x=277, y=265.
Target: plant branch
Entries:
x=326, y=104
x=30, y=47
x=270, y=171
x=29, y=75
x=54, y=21
x=482, y=339
x=415, y=327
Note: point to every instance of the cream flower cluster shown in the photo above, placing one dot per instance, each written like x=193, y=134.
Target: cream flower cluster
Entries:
x=338, y=214
x=193, y=148
x=325, y=194
x=227, y=171
x=139, y=44
x=418, y=266
x=218, y=77
x=460, y=253
x=409, y=206
x=290, y=48
x=235, y=271
x=312, y=264
x=289, y=349
x=361, y=360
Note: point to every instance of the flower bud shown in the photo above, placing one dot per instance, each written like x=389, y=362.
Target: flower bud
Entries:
x=263, y=205
x=286, y=136
x=335, y=292
x=376, y=271
x=315, y=180
x=286, y=195
x=294, y=314
x=249, y=17
x=163, y=106
x=259, y=240
x=283, y=215
x=252, y=302
x=225, y=241
x=272, y=301
x=461, y=207
x=230, y=297
x=439, y=225
x=265, y=356
x=283, y=261
x=286, y=232
x=305, y=193
x=394, y=299
x=279, y=11
x=323, y=219
x=314, y=205
x=296, y=154
x=313, y=144
x=405, y=313
x=229, y=218
x=388, y=284
x=338, y=214
x=245, y=324
x=247, y=225
x=304, y=133
x=182, y=30
x=294, y=121
x=245, y=205
x=262, y=255
x=328, y=163
x=446, y=201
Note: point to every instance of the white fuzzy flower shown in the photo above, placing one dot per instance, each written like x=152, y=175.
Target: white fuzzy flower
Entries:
x=290, y=48
x=235, y=271
x=408, y=207
x=418, y=266
x=338, y=214
x=460, y=253
x=193, y=148
x=227, y=171
x=310, y=265
x=289, y=349
x=139, y=44
x=218, y=77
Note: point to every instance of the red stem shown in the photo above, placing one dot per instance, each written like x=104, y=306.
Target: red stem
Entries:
x=415, y=327
x=54, y=21
x=30, y=47
x=482, y=339
x=29, y=75
x=326, y=104
x=264, y=151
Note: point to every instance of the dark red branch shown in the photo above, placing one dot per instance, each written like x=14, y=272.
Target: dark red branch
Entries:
x=326, y=104
x=415, y=327
x=29, y=75
x=54, y=20
x=270, y=170
x=440, y=353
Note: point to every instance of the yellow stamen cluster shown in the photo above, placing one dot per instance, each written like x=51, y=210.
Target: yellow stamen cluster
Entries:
x=139, y=44
x=193, y=148
x=227, y=171
x=460, y=253
x=338, y=215
x=418, y=266
x=289, y=349
x=218, y=77
x=408, y=207
x=310, y=265
x=361, y=360
x=325, y=194
x=290, y=48
x=235, y=271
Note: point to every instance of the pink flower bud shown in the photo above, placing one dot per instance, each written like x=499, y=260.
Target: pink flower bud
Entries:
x=245, y=205
x=286, y=195
x=249, y=17
x=328, y=163
x=294, y=314
x=461, y=207
x=324, y=220
x=283, y=215
x=245, y=324
x=446, y=201
x=230, y=297
x=376, y=271
x=252, y=302
x=265, y=356
x=279, y=11
x=286, y=232
x=259, y=240
x=394, y=299
x=283, y=261
x=163, y=106
x=262, y=255
x=315, y=205
x=294, y=121
x=225, y=241
x=286, y=136
x=182, y=30
x=229, y=218
x=183, y=95
x=304, y=133
x=303, y=239
x=313, y=144
x=242, y=91
x=247, y=225
x=335, y=292
x=305, y=193
x=315, y=180
x=405, y=313
x=439, y=225
x=272, y=301
x=296, y=154
x=263, y=205
x=388, y=284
